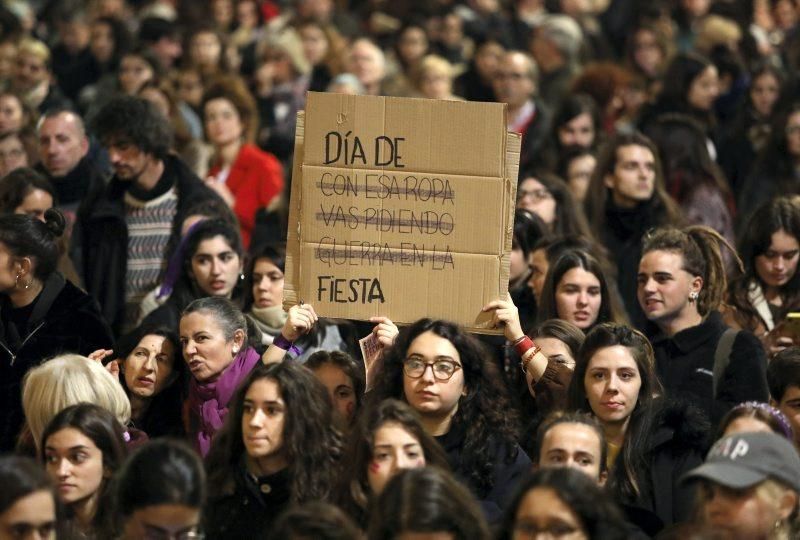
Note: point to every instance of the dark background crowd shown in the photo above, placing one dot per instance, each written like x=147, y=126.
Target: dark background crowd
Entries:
x=647, y=380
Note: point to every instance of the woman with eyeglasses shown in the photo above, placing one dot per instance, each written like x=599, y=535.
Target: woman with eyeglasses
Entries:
x=448, y=378
x=562, y=503
x=547, y=196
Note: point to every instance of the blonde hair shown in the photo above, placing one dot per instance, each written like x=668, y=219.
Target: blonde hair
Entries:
x=715, y=30
x=36, y=48
x=67, y=380
x=432, y=65
x=770, y=491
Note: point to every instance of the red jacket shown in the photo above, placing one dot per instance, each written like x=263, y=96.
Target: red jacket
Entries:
x=256, y=178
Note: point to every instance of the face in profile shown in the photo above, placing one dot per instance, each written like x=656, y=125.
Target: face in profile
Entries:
x=206, y=350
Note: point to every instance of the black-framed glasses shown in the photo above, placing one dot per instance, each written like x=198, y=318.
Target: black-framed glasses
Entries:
x=442, y=369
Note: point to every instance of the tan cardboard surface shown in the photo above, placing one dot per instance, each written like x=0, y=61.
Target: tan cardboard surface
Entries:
x=401, y=207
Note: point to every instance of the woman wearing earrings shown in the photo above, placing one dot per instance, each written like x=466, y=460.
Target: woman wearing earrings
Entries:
x=41, y=314
x=681, y=284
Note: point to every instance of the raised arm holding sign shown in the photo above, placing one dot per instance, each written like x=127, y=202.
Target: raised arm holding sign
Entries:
x=403, y=206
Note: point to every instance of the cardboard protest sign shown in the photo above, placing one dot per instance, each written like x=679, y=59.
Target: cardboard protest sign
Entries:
x=401, y=207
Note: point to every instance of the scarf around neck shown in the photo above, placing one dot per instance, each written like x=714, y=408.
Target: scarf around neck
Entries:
x=269, y=320
x=208, y=402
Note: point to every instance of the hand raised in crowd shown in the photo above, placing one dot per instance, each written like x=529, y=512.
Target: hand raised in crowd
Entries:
x=100, y=354
x=776, y=340
x=385, y=330
x=506, y=315
x=300, y=321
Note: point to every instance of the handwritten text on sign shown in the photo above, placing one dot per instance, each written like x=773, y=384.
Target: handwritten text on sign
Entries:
x=362, y=216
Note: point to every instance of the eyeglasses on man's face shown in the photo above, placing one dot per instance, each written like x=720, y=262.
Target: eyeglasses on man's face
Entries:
x=443, y=369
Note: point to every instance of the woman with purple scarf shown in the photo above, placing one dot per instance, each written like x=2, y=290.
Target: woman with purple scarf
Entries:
x=213, y=335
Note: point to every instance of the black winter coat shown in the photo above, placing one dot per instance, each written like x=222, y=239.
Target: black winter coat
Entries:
x=247, y=506
x=64, y=320
x=622, y=237
x=509, y=466
x=677, y=444
x=685, y=364
x=103, y=235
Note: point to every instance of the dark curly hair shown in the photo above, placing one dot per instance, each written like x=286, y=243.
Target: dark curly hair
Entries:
x=136, y=121
x=484, y=413
x=311, y=443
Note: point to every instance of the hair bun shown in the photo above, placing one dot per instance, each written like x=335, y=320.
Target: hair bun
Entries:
x=55, y=222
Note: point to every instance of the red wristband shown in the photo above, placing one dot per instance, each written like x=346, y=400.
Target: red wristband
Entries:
x=523, y=345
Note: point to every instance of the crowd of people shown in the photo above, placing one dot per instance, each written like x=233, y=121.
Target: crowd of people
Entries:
x=645, y=378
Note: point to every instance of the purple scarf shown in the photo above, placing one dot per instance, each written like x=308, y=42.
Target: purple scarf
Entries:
x=208, y=402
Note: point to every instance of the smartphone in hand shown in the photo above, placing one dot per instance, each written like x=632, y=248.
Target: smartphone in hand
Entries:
x=791, y=326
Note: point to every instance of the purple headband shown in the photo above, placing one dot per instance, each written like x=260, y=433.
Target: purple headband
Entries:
x=775, y=414
x=175, y=264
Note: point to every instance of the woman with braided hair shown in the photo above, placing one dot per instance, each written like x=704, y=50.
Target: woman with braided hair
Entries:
x=681, y=285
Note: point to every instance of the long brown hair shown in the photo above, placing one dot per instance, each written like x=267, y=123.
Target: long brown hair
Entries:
x=664, y=208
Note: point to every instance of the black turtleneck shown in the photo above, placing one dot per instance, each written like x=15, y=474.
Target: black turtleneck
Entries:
x=163, y=185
